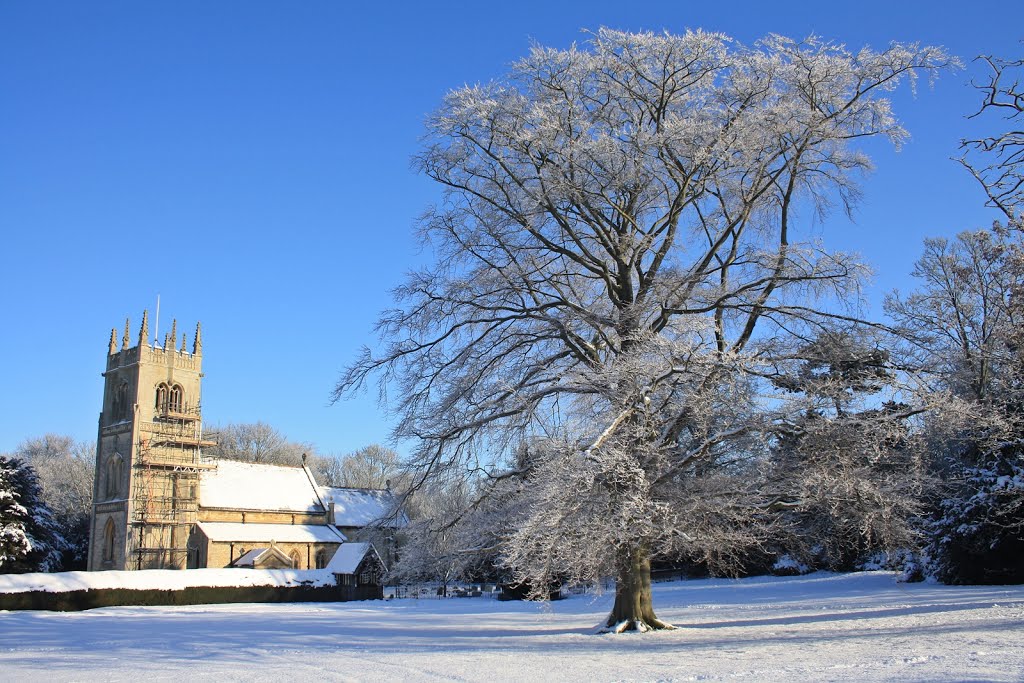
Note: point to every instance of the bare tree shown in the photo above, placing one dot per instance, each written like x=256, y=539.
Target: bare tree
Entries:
x=432, y=547
x=619, y=236
x=850, y=466
x=256, y=442
x=370, y=467
x=997, y=161
x=956, y=324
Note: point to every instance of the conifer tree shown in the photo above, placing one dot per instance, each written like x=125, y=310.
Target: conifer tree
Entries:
x=30, y=538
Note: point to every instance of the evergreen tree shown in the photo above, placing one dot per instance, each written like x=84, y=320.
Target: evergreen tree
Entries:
x=30, y=538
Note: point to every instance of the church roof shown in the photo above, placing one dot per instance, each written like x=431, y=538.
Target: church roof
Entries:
x=347, y=558
x=363, y=507
x=237, y=532
x=250, y=486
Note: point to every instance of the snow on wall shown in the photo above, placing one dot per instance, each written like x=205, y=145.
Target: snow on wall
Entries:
x=162, y=579
x=249, y=486
x=265, y=533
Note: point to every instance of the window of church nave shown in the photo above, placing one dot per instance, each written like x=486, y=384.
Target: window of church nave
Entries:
x=321, y=558
x=295, y=559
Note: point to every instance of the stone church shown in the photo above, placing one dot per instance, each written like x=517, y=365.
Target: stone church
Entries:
x=159, y=503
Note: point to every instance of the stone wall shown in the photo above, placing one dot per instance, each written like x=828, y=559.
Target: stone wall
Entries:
x=72, y=601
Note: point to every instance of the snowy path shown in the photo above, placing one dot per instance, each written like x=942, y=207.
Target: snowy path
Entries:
x=856, y=627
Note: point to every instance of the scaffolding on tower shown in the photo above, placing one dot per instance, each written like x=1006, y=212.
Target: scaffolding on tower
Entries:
x=165, y=497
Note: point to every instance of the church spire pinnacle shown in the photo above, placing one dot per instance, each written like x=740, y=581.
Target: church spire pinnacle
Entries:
x=170, y=338
x=182, y=350
x=124, y=339
x=197, y=345
x=144, y=330
x=113, y=341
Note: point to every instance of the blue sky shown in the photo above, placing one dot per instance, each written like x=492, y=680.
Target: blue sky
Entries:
x=248, y=162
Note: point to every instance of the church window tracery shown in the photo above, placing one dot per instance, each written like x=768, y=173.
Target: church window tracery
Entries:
x=161, y=397
x=175, y=402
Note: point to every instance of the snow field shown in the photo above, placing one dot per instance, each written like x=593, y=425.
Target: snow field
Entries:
x=821, y=627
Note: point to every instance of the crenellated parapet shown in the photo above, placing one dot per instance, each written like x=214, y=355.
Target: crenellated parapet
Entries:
x=169, y=353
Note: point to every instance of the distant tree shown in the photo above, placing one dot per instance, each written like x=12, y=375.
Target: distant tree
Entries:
x=30, y=538
x=256, y=442
x=66, y=469
x=432, y=546
x=370, y=467
x=618, y=240
x=854, y=457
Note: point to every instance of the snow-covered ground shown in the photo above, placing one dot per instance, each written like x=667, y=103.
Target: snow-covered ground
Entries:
x=821, y=627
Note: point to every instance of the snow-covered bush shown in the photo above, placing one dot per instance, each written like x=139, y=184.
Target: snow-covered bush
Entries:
x=978, y=533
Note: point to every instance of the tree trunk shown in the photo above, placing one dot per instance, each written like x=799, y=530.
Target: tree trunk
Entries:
x=633, y=609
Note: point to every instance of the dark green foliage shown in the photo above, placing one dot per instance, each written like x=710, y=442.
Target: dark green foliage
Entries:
x=978, y=534
x=30, y=538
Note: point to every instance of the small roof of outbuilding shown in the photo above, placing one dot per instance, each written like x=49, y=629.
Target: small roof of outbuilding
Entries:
x=349, y=556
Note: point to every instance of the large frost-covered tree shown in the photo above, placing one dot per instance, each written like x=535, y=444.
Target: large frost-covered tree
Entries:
x=623, y=225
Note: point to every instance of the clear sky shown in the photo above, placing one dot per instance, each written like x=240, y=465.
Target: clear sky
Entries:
x=248, y=162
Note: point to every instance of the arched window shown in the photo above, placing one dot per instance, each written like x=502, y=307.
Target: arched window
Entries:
x=108, y=541
x=321, y=558
x=115, y=466
x=161, y=397
x=119, y=410
x=294, y=555
x=175, y=402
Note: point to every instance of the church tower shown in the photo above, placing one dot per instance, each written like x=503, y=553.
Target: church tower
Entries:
x=148, y=453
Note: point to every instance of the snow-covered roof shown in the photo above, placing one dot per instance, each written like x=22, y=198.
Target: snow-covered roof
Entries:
x=363, y=507
x=250, y=558
x=236, y=532
x=347, y=558
x=249, y=486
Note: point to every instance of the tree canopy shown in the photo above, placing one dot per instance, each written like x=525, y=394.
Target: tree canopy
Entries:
x=621, y=251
